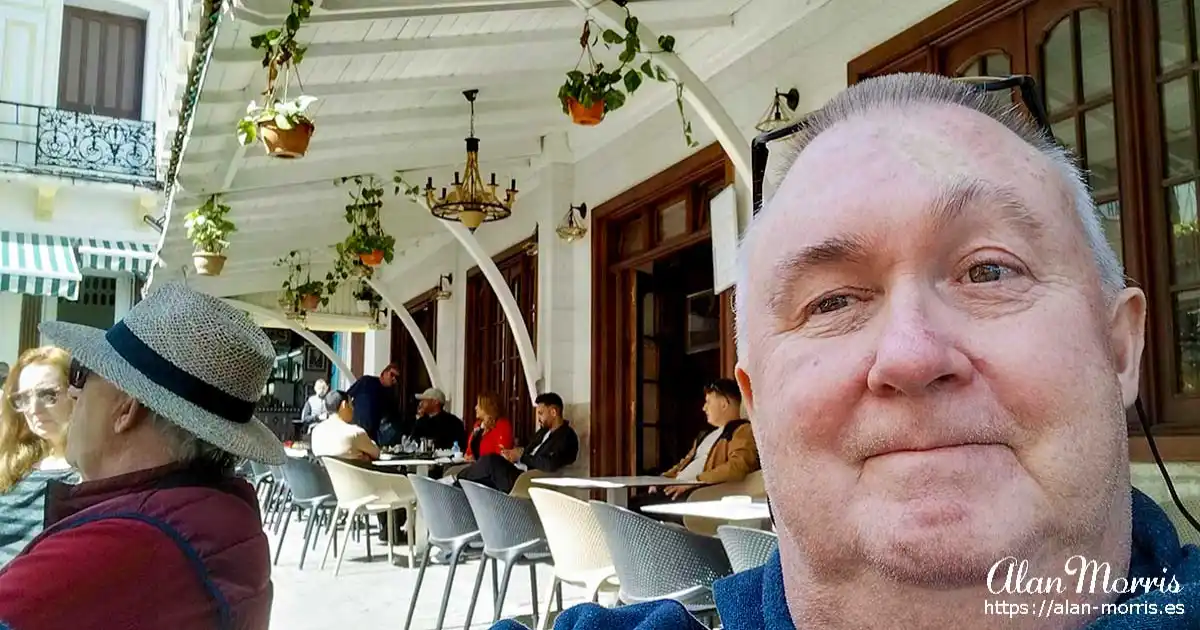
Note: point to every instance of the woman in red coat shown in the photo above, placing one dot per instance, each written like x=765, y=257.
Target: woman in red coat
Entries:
x=493, y=433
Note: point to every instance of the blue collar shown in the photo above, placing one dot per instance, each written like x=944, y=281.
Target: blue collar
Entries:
x=754, y=600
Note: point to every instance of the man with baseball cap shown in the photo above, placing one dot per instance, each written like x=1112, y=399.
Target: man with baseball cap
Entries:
x=159, y=534
x=435, y=423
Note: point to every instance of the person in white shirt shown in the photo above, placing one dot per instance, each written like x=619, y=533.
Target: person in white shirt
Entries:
x=338, y=436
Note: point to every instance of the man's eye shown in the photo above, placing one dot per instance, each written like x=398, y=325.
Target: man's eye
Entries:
x=988, y=272
x=831, y=304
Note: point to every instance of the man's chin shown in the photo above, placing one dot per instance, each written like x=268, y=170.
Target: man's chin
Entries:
x=943, y=545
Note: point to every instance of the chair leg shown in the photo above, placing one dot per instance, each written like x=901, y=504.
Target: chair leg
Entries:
x=475, y=593
x=346, y=545
x=508, y=567
x=337, y=513
x=410, y=529
x=449, y=583
x=391, y=525
x=417, y=589
x=533, y=588
x=558, y=596
x=554, y=584
x=495, y=583
x=313, y=526
x=279, y=545
x=366, y=527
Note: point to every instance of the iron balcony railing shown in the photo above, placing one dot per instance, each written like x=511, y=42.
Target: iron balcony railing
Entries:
x=47, y=140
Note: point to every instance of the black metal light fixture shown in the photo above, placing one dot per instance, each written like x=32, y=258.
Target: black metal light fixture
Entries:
x=783, y=107
x=469, y=200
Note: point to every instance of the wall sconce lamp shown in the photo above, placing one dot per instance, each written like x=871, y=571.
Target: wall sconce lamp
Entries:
x=573, y=229
x=783, y=107
x=443, y=287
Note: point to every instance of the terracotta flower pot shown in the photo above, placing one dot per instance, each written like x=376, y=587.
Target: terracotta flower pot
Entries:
x=207, y=264
x=286, y=143
x=373, y=259
x=310, y=301
x=586, y=116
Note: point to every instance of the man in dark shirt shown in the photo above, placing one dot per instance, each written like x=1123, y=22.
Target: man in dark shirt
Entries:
x=554, y=447
x=374, y=400
x=437, y=424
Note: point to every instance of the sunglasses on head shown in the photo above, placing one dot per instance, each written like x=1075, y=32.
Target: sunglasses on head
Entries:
x=1025, y=86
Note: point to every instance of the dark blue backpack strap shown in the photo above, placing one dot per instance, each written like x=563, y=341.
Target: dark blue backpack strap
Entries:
x=224, y=614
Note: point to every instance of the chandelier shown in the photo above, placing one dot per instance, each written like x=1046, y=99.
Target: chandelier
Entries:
x=470, y=201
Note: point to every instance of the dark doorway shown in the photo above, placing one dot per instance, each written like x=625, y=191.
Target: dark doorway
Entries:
x=678, y=322
x=414, y=377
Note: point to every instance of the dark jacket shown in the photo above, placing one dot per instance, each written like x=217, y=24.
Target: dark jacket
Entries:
x=444, y=428
x=373, y=403
x=755, y=599
x=734, y=456
x=172, y=547
x=560, y=450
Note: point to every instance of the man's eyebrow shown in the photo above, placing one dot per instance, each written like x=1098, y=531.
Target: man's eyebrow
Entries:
x=835, y=250
x=1000, y=201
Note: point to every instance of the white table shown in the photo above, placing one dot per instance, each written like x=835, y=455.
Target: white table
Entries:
x=734, y=508
x=422, y=465
x=616, y=488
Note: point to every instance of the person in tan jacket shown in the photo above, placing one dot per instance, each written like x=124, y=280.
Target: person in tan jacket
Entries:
x=726, y=453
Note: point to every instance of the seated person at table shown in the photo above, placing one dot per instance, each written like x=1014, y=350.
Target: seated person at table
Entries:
x=554, y=447
x=437, y=424
x=338, y=436
x=493, y=433
x=726, y=453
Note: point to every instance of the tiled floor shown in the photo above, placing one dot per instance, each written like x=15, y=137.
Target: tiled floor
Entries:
x=376, y=595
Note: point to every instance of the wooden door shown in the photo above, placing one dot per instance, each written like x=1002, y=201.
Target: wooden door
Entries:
x=101, y=63
x=996, y=51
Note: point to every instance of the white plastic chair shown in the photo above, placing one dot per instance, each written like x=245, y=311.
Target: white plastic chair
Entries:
x=361, y=492
x=581, y=555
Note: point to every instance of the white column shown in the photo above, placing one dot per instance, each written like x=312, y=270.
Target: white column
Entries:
x=562, y=342
x=10, y=326
x=123, y=301
x=377, y=350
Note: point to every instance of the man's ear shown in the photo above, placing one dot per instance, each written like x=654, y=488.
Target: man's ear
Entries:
x=130, y=413
x=743, y=380
x=1127, y=326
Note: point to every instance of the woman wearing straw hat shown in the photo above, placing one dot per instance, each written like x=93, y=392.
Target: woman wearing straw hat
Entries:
x=159, y=534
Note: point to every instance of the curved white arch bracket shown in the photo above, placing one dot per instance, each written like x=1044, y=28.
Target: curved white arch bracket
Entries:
x=508, y=303
x=308, y=335
x=414, y=331
x=694, y=90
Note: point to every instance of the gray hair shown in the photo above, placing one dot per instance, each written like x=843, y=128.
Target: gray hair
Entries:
x=184, y=447
x=901, y=91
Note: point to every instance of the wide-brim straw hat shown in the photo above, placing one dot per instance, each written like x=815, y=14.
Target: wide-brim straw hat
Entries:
x=197, y=361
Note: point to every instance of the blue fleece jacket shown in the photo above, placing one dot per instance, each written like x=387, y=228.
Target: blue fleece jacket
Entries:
x=754, y=600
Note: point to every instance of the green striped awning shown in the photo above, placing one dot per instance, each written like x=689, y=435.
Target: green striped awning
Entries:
x=37, y=264
x=136, y=258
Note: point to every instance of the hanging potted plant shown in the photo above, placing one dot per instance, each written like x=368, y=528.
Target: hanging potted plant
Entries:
x=209, y=231
x=301, y=296
x=367, y=241
x=281, y=123
x=590, y=92
x=365, y=298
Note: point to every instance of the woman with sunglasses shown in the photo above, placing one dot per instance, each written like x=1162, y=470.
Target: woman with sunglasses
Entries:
x=34, y=412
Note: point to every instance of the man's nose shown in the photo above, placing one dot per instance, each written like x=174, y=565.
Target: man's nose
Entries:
x=914, y=354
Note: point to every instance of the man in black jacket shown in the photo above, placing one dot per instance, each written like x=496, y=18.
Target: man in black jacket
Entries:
x=554, y=447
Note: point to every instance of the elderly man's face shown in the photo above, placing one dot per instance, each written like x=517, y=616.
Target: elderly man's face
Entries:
x=935, y=377
x=101, y=412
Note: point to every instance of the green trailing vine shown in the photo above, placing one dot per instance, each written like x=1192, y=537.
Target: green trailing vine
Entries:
x=299, y=284
x=614, y=86
x=363, y=214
